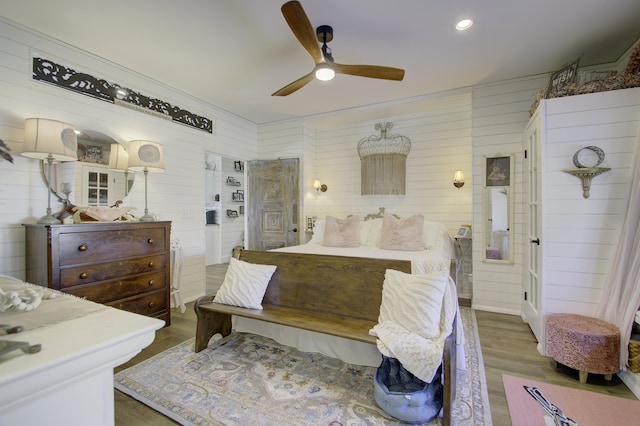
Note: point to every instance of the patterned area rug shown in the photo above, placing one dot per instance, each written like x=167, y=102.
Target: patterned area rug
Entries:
x=252, y=380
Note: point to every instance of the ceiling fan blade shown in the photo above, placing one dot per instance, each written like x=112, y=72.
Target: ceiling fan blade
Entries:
x=371, y=71
x=303, y=30
x=292, y=87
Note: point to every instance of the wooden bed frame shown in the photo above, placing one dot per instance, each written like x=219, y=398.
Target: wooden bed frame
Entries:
x=335, y=295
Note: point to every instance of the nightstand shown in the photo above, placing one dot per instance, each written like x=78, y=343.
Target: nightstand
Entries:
x=464, y=255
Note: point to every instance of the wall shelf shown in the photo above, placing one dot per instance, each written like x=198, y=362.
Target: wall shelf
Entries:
x=585, y=175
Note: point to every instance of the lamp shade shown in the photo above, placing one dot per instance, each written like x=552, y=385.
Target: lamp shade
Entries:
x=118, y=157
x=145, y=155
x=43, y=137
x=458, y=179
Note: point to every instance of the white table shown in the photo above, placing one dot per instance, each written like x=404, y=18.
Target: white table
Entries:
x=70, y=381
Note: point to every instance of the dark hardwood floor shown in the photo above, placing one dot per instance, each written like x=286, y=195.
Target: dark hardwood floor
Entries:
x=508, y=347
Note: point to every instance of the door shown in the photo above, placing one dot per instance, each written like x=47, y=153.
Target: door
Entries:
x=532, y=307
x=273, y=199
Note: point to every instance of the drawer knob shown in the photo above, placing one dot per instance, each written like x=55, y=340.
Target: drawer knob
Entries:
x=151, y=304
x=151, y=264
x=84, y=276
x=151, y=241
x=151, y=283
x=83, y=247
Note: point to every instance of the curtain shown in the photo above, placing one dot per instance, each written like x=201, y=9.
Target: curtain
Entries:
x=621, y=293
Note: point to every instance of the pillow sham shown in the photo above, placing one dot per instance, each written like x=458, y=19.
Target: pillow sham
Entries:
x=433, y=235
x=244, y=284
x=318, y=232
x=342, y=232
x=413, y=302
x=402, y=234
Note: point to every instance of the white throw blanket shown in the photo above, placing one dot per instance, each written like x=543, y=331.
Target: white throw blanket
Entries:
x=419, y=355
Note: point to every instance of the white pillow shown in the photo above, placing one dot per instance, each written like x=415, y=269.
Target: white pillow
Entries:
x=342, y=232
x=433, y=233
x=365, y=230
x=375, y=233
x=244, y=284
x=413, y=302
x=318, y=232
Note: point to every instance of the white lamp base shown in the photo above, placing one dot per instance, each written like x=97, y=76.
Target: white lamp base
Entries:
x=49, y=220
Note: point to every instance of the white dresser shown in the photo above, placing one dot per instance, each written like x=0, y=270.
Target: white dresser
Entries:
x=70, y=381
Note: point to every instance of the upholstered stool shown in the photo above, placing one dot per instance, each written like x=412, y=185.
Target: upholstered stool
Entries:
x=589, y=345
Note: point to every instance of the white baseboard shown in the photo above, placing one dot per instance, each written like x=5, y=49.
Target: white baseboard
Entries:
x=632, y=380
x=494, y=309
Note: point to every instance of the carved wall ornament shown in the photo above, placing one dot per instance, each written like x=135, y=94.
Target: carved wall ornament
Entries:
x=50, y=72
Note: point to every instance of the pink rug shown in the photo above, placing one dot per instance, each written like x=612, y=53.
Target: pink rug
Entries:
x=527, y=407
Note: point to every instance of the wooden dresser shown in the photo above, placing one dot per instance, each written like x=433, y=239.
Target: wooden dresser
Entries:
x=120, y=264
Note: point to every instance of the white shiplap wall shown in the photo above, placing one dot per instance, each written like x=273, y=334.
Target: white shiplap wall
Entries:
x=176, y=195
x=500, y=113
x=440, y=132
x=579, y=234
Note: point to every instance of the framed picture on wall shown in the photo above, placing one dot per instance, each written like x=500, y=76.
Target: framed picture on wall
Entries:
x=498, y=171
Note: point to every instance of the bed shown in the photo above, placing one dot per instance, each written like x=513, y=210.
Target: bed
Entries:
x=429, y=250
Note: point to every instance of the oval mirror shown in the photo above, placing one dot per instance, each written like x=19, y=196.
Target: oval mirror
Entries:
x=98, y=178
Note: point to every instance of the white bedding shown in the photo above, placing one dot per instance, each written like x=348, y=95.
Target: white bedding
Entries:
x=422, y=262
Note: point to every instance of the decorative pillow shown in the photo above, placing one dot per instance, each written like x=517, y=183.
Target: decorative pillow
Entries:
x=375, y=233
x=413, y=302
x=433, y=233
x=342, y=232
x=365, y=230
x=402, y=234
x=318, y=232
x=244, y=284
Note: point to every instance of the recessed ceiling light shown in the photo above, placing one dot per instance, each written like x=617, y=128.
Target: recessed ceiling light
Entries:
x=464, y=24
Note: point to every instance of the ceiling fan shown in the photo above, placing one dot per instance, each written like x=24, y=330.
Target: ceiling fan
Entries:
x=325, y=68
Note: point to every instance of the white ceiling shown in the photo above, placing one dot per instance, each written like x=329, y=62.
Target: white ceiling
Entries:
x=235, y=53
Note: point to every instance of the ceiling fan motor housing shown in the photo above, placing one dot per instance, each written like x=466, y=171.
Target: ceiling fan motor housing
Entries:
x=324, y=33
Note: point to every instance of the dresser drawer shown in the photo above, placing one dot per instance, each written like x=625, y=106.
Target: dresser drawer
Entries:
x=108, y=291
x=147, y=304
x=86, y=274
x=86, y=247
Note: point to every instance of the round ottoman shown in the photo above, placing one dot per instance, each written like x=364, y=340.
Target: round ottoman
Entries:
x=589, y=345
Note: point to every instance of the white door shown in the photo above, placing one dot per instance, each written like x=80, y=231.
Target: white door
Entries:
x=532, y=306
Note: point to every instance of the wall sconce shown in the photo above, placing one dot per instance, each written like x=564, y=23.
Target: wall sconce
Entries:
x=458, y=179
x=319, y=187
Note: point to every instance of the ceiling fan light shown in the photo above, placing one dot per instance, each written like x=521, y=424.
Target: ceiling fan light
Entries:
x=464, y=24
x=325, y=73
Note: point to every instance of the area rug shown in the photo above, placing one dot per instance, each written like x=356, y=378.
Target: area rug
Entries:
x=534, y=403
x=252, y=380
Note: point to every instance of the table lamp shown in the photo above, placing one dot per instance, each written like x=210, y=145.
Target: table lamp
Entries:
x=145, y=156
x=119, y=160
x=51, y=141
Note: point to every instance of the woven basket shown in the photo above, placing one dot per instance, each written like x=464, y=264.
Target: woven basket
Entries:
x=634, y=356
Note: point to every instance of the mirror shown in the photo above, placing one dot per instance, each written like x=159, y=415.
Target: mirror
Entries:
x=498, y=209
x=90, y=181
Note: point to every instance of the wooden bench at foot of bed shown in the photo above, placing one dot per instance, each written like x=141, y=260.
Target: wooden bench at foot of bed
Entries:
x=334, y=295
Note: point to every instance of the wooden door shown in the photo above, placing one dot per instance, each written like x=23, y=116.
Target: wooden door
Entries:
x=273, y=199
x=532, y=306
